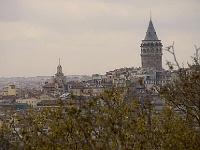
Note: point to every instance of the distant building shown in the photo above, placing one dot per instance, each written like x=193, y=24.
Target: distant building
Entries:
x=151, y=49
x=58, y=85
x=98, y=80
x=111, y=75
x=9, y=91
x=30, y=101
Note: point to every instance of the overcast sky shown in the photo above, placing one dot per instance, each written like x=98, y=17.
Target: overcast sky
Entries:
x=90, y=36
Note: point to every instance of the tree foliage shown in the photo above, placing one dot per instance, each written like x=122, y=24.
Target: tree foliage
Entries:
x=106, y=122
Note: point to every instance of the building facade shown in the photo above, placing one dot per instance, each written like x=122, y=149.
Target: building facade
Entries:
x=58, y=85
x=9, y=91
x=151, y=49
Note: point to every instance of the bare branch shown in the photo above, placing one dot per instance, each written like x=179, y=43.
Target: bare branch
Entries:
x=170, y=49
x=197, y=54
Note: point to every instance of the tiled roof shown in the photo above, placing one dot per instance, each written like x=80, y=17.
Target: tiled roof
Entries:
x=49, y=85
x=56, y=102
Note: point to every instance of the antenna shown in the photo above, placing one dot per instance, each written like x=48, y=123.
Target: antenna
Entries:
x=59, y=61
x=150, y=15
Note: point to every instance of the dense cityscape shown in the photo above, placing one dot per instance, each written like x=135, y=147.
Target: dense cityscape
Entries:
x=42, y=89
x=145, y=107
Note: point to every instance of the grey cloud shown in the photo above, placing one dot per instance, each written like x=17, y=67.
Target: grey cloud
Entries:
x=109, y=31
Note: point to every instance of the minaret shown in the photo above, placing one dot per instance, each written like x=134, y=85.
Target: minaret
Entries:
x=151, y=49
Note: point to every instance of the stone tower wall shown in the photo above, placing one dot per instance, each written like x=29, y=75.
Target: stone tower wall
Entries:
x=151, y=54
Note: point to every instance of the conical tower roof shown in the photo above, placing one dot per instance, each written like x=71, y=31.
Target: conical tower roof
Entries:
x=151, y=33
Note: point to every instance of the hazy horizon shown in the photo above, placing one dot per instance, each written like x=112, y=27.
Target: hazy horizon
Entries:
x=90, y=36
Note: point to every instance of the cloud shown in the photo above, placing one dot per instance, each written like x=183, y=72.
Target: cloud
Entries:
x=104, y=34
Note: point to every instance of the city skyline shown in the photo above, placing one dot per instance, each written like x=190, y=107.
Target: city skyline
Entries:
x=91, y=36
